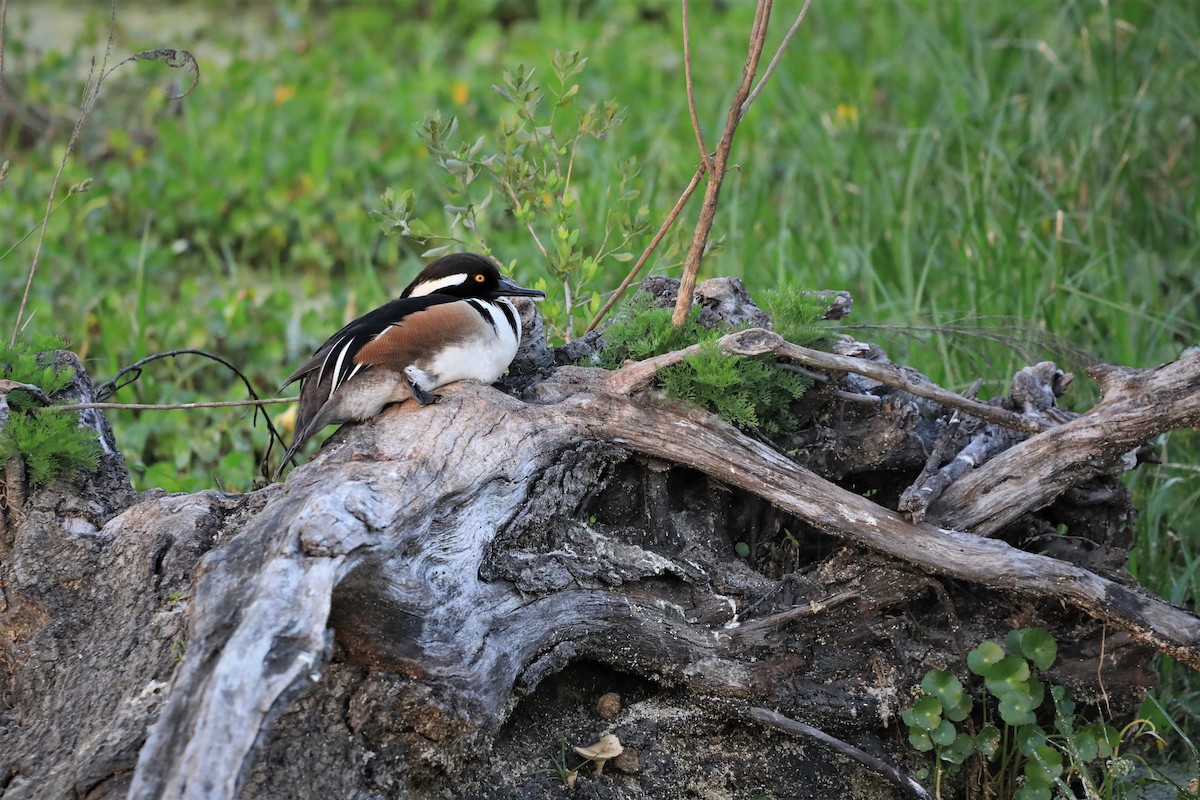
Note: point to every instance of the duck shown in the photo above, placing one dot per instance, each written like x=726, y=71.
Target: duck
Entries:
x=454, y=322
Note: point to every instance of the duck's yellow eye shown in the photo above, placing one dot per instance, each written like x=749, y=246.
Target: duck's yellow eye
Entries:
x=480, y=277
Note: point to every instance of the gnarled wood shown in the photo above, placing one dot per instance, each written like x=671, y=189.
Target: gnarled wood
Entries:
x=394, y=611
x=1136, y=406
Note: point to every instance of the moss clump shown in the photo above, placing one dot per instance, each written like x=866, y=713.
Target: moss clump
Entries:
x=752, y=393
x=51, y=443
x=31, y=361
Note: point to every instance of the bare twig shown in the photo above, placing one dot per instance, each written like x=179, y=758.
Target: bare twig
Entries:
x=772, y=719
x=175, y=59
x=759, y=342
x=716, y=174
x=3, y=27
x=114, y=385
x=650, y=248
x=778, y=620
x=787, y=37
x=691, y=94
x=91, y=92
x=173, y=406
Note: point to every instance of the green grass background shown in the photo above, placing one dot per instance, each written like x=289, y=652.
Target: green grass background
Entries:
x=1029, y=168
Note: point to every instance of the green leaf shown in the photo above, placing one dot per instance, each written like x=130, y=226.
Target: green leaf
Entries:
x=982, y=658
x=945, y=686
x=988, y=741
x=962, y=748
x=1029, y=738
x=1097, y=740
x=1007, y=675
x=944, y=734
x=1016, y=708
x=1029, y=792
x=926, y=714
x=920, y=740
x=742, y=549
x=1039, y=647
x=1044, y=765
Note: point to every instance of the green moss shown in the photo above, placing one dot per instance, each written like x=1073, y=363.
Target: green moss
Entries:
x=645, y=330
x=51, y=443
x=751, y=393
x=32, y=361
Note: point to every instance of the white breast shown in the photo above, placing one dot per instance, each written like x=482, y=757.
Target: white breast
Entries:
x=483, y=359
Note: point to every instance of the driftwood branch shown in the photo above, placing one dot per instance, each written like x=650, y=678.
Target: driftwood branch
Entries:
x=758, y=342
x=1136, y=405
x=309, y=540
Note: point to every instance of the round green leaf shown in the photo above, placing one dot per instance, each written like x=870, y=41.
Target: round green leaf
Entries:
x=961, y=711
x=1030, y=738
x=1086, y=745
x=920, y=740
x=1008, y=675
x=988, y=740
x=1102, y=736
x=925, y=715
x=1039, y=647
x=1016, y=709
x=1044, y=766
x=944, y=734
x=982, y=658
x=1031, y=792
x=945, y=686
x=742, y=549
x=960, y=750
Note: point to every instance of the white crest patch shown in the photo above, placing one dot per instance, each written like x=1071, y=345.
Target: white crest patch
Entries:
x=429, y=287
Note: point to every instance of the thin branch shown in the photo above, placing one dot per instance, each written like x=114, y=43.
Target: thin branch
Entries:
x=778, y=620
x=172, y=406
x=691, y=94
x=650, y=248
x=716, y=174
x=114, y=385
x=787, y=37
x=760, y=342
x=512, y=196
x=772, y=719
x=91, y=92
x=3, y=28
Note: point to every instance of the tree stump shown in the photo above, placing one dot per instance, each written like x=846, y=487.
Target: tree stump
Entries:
x=448, y=599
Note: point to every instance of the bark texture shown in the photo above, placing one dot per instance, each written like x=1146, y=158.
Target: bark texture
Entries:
x=445, y=600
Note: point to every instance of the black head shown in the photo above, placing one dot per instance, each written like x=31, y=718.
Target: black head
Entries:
x=465, y=275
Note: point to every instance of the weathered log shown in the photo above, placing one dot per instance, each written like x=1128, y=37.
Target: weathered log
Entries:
x=400, y=608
